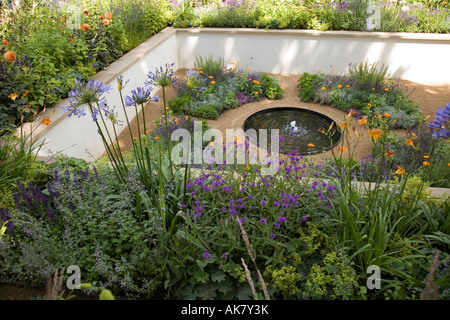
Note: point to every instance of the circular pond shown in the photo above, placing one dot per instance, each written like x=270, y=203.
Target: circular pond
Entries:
x=304, y=131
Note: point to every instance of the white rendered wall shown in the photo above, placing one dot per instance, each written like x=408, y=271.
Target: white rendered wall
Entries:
x=78, y=137
x=414, y=57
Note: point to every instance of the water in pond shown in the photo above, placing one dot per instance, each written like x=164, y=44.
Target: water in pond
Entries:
x=298, y=127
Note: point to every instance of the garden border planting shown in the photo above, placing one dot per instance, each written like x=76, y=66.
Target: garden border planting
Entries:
x=279, y=51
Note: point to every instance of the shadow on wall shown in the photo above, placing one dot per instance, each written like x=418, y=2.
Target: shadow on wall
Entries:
x=410, y=59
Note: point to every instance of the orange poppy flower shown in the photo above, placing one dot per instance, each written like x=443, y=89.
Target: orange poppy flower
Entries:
x=310, y=145
x=10, y=56
x=147, y=132
x=348, y=86
x=386, y=89
x=156, y=138
x=85, y=27
x=213, y=82
x=426, y=157
x=426, y=163
x=324, y=88
x=320, y=70
x=387, y=114
x=339, y=86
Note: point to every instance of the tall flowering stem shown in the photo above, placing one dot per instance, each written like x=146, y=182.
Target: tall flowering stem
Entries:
x=90, y=95
x=164, y=77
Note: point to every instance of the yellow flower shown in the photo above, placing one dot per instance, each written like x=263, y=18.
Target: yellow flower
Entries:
x=310, y=145
x=409, y=142
x=256, y=92
x=375, y=134
x=373, y=89
x=320, y=70
x=426, y=157
x=211, y=143
x=351, y=113
x=210, y=77
x=324, y=88
x=134, y=138
x=13, y=96
x=213, y=82
x=238, y=140
x=256, y=82
x=167, y=108
x=386, y=89
x=400, y=170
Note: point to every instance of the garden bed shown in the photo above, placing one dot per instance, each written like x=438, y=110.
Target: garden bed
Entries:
x=138, y=238
x=293, y=52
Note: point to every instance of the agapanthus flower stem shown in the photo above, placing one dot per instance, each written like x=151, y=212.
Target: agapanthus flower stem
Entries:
x=169, y=142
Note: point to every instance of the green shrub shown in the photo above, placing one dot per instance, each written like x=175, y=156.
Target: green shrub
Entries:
x=206, y=112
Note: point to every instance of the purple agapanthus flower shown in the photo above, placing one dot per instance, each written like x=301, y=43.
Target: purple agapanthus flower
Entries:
x=86, y=94
x=140, y=96
x=162, y=77
x=441, y=123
